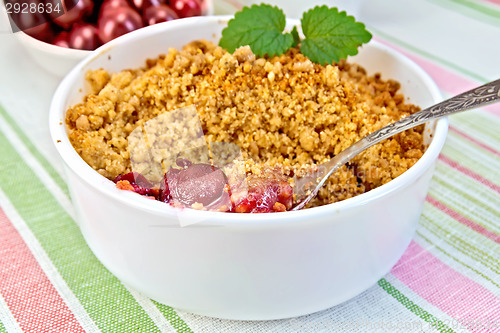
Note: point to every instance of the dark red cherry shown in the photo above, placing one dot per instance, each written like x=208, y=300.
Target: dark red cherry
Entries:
x=186, y=8
x=61, y=39
x=112, y=4
x=139, y=183
x=157, y=14
x=198, y=183
x=142, y=5
x=34, y=24
x=74, y=11
x=84, y=36
x=118, y=21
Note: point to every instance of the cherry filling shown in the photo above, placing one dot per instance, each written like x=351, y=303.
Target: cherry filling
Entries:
x=266, y=194
x=134, y=181
x=205, y=186
x=199, y=184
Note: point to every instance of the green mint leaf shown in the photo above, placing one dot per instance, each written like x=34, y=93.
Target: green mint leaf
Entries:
x=331, y=35
x=296, y=37
x=259, y=26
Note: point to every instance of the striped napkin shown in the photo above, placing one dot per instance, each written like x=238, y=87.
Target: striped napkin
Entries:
x=448, y=280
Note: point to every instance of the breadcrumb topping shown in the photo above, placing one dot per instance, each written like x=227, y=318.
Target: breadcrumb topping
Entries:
x=283, y=111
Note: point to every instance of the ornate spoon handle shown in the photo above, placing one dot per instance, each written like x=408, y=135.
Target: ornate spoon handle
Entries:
x=488, y=93
x=485, y=94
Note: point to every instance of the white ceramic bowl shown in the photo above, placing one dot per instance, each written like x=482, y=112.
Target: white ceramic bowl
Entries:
x=54, y=59
x=244, y=266
x=60, y=60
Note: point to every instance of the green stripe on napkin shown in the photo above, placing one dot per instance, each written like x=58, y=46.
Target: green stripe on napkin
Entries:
x=34, y=151
x=469, y=194
x=451, y=256
x=414, y=308
x=174, y=319
x=102, y=295
x=479, y=125
x=460, y=237
x=476, y=9
x=479, y=160
x=428, y=55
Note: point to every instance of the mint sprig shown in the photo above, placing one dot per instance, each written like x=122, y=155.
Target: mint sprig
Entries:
x=261, y=27
x=330, y=35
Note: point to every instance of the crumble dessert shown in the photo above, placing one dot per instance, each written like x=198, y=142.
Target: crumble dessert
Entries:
x=285, y=113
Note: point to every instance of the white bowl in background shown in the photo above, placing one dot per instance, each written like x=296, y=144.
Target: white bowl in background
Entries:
x=244, y=266
x=55, y=59
x=59, y=60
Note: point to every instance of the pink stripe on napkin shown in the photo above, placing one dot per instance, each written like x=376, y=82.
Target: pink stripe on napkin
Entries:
x=465, y=221
x=495, y=2
x=468, y=172
x=475, y=141
x=30, y=296
x=473, y=306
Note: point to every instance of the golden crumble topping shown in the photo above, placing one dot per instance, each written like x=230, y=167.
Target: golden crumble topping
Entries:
x=283, y=111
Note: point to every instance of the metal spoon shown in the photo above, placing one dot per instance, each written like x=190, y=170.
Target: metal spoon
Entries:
x=485, y=94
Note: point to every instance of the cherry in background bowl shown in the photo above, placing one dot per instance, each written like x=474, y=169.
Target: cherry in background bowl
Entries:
x=59, y=59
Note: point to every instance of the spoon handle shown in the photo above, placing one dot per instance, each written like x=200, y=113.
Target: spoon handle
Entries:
x=485, y=94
